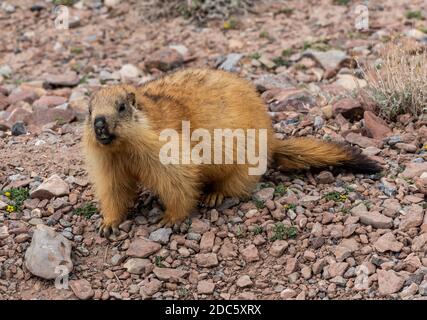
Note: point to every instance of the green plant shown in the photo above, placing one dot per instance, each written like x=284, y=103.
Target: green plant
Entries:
x=286, y=11
x=64, y=2
x=341, y=2
x=287, y=52
x=158, y=261
x=87, y=210
x=258, y=230
x=417, y=15
x=183, y=292
x=231, y=23
x=290, y=206
x=279, y=190
x=279, y=61
x=17, y=196
x=255, y=55
x=264, y=34
x=281, y=232
x=76, y=50
x=259, y=204
x=336, y=196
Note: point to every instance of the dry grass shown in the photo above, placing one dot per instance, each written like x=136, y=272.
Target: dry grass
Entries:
x=398, y=84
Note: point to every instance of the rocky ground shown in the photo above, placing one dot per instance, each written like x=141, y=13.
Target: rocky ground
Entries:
x=308, y=235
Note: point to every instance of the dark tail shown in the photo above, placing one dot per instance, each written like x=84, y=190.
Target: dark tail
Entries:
x=303, y=153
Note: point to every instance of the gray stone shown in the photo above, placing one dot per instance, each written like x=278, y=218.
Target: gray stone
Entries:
x=48, y=255
x=54, y=186
x=161, y=235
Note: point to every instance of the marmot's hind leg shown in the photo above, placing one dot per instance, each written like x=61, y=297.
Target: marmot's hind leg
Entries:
x=238, y=184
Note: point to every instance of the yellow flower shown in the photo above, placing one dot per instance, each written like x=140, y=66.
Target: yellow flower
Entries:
x=7, y=194
x=10, y=208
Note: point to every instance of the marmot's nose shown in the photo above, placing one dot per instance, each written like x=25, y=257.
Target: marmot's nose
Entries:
x=100, y=122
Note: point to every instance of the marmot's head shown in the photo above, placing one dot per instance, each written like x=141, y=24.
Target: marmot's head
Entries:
x=111, y=111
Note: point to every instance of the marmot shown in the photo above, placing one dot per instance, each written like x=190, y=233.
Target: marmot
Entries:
x=122, y=143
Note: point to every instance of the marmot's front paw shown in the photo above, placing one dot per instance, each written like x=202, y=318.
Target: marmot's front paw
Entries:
x=105, y=228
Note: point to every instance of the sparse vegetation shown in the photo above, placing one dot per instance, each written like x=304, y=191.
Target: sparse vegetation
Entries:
x=416, y=15
x=259, y=204
x=341, y=2
x=87, y=210
x=258, y=230
x=17, y=196
x=283, y=232
x=279, y=190
x=158, y=261
x=336, y=196
x=398, y=84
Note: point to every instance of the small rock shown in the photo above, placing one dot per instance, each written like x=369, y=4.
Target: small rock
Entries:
x=278, y=248
x=129, y=72
x=414, y=169
x=361, y=141
x=46, y=102
x=349, y=108
x=69, y=79
x=138, y=266
x=164, y=59
x=325, y=177
x=199, y=226
x=18, y=129
x=205, y=287
x=230, y=62
x=375, y=126
x=375, y=219
x=389, y=282
x=264, y=194
x=329, y=60
x=244, y=281
x=169, y=274
x=54, y=186
x=161, y=235
x=250, y=253
x=142, y=248
x=207, y=260
x=288, y=294
x=413, y=218
x=150, y=288
x=388, y=242
x=82, y=289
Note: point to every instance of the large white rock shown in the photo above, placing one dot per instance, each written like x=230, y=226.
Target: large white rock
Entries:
x=48, y=255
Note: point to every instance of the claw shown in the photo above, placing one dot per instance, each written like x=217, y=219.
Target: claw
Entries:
x=213, y=199
x=107, y=229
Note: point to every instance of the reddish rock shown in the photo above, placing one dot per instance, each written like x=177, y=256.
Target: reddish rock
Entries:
x=41, y=117
x=18, y=114
x=349, y=108
x=22, y=95
x=82, y=289
x=413, y=218
x=389, y=282
x=414, y=169
x=143, y=248
x=164, y=60
x=388, y=242
x=207, y=260
x=4, y=102
x=169, y=274
x=250, y=253
x=376, y=127
x=361, y=141
x=205, y=287
x=48, y=102
x=69, y=79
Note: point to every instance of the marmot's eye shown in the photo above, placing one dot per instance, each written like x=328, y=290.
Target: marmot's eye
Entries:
x=122, y=107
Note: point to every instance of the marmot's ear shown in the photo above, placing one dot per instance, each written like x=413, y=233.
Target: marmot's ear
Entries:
x=130, y=97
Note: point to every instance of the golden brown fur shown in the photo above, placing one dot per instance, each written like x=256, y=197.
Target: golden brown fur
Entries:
x=208, y=99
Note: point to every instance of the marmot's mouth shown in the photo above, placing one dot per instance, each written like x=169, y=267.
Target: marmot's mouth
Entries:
x=105, y=139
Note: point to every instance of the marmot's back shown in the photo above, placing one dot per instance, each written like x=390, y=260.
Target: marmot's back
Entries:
x=207, y=98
